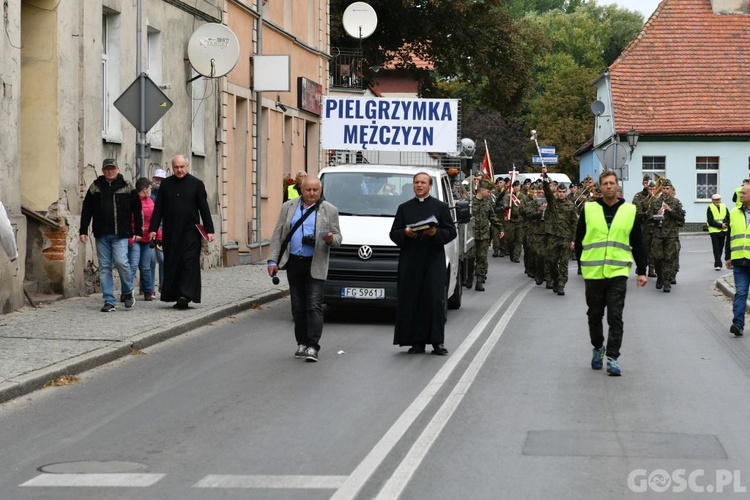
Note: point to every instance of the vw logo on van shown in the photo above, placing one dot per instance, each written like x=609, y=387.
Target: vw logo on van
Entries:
x=364, y=252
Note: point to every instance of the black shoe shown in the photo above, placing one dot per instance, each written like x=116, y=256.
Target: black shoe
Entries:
x=561, y=291
x=736, y=330
x=494, y=254
x=479, y=287
x=439, y=349
x=108, y=308
x=673, y=281
x=416, y=349
x=659, y=284
x=469, y=283
x=667, y=288
x=539, y=281
x=651, y=273
x=129, y=300
x=182, y=303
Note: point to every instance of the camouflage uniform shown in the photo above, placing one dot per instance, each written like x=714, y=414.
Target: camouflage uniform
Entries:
x=665, y=245
x=648, y=226
x=514, y=230
x=560, y=224
x=536, y=238
x=484, y=219
x=502, y=202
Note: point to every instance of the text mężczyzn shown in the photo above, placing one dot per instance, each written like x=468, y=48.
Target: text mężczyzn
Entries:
x=390, y=124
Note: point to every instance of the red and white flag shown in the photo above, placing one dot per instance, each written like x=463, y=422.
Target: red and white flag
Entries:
x=487, y=164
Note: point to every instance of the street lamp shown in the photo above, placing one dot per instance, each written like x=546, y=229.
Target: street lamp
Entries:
x=632, y=140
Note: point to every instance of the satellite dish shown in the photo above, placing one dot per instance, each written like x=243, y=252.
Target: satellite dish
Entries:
x=213, y=50
x=360, y=20
x=597, y=107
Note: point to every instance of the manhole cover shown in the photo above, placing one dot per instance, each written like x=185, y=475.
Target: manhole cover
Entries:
x=92, y=467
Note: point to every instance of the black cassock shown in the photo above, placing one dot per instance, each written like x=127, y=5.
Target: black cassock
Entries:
x=420, y=315
x=180, y=205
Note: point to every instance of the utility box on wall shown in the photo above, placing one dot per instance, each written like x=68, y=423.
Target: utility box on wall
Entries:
x=231, y=254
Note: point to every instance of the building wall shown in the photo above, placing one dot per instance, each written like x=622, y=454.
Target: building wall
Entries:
x=290, y=139
x=11, y=292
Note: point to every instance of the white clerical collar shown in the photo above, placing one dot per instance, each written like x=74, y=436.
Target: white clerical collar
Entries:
x=422, y=199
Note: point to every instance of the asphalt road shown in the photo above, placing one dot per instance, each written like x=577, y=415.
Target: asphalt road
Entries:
x=513, y=412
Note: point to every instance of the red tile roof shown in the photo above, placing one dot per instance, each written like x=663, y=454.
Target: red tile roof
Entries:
x=687, y=73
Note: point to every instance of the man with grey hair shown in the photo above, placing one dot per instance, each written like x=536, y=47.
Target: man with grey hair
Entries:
x=295, y=190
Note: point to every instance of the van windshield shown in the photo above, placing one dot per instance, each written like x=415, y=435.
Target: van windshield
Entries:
x=369, y=193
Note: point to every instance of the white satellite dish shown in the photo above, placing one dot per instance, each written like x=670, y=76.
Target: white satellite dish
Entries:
x=360, y=20
x=213, y=50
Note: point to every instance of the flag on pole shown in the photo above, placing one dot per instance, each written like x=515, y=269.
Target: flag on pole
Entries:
x=487, y=163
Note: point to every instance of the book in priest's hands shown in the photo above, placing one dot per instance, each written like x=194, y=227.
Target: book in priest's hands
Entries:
x=427, y=223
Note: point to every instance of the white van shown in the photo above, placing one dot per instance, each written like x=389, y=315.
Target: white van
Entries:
x=364, y=269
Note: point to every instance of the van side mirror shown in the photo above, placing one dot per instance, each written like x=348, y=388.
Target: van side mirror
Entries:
x=463, y=212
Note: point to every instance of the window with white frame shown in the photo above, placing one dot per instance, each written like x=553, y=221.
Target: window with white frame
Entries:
x=155, y=136
x=706, y=177
x=111, y=123
x=199, y=89
x=654, y=166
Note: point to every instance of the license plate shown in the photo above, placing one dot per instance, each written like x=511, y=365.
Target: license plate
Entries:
x=362, y=293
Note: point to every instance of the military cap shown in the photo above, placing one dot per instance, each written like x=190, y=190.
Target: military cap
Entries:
x=486, y=184
x=666, y=182
x=651, y=184
x=516, y=183
x=527, y=181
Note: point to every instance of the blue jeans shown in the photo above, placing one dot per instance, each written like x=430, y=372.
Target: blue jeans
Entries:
x=157, y=257
x=113, y=251
x=140, y=255
x=741, y=284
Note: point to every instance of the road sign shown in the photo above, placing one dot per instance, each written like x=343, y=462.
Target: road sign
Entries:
x=613, y=156
x=547, y=151
x=129, y=103
x=548, y=160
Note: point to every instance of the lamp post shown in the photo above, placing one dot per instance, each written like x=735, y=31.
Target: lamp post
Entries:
x=632, y=140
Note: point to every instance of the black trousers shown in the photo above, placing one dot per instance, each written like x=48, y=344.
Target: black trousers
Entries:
x=307, y=301
x=717, y=242
x=609, y=294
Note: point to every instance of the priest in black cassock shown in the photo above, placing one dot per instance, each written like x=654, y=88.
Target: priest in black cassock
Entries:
x=181, y=204
x=420, y=315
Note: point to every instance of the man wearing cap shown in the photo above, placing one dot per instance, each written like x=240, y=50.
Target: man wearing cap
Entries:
x=717, y=219
x=513, y=224
x=182, y=205
x=485, y=218
x=560, y=228
x=608, y=239
x=116, y=212
x=643, y=193
x=502, y=203
x=668, y=215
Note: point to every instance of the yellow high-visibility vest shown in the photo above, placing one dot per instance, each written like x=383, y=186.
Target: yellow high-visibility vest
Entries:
x=719, y=214
x=739, y=241
x=291, y=192
x=606, y=251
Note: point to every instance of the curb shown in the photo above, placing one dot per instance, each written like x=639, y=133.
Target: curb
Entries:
x=35, y=380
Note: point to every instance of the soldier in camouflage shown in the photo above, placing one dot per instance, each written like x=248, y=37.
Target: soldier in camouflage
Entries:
x=502, y=201
x=534, y=213
x=648, y=225
x=513, y=224
x=485, y=218
x=668, y=215
x=560, y=226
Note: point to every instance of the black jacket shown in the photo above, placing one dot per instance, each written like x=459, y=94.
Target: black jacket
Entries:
x=115, y=207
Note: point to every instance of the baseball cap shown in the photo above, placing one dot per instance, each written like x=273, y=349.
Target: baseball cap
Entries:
x=160, y=173
x=109, y=162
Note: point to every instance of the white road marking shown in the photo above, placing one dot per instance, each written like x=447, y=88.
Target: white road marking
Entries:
x=95, y=480
x=374, y=459
x=395, y=486
x=296, y=482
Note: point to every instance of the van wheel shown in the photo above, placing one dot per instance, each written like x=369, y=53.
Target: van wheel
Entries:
x=454, y=302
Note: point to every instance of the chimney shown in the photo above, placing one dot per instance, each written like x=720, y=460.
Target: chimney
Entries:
x=729, y=6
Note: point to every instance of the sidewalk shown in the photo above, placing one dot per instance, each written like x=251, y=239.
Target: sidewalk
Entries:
x=71, y=336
